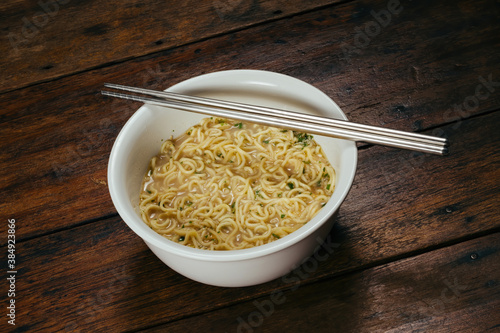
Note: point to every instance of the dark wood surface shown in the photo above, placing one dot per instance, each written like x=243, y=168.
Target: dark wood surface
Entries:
x=416, y=246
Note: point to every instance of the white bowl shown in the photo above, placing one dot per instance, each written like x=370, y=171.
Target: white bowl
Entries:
x=142, y=135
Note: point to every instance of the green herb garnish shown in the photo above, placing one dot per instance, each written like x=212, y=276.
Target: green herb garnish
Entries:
x=302, y=137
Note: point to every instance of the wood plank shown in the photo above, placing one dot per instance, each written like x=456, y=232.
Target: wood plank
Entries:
x=95, y=275
x=454, y=289
x=52, y=38
x=457, y=192
x=54, y=150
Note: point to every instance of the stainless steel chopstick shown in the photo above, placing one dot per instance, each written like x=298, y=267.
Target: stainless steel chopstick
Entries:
x=311, y=128
x=284, y=114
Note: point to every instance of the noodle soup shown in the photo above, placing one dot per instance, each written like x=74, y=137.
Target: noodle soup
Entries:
x=226, y=185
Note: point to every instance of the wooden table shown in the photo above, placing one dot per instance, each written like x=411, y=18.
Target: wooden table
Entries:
x=416, y=246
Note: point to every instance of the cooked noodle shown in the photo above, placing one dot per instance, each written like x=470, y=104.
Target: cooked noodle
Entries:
x=226, y=185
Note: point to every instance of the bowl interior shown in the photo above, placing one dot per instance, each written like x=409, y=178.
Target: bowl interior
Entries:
x=142, y=135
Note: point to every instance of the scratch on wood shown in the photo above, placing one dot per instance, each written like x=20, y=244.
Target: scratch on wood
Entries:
x=415, y=73
x=99, y=181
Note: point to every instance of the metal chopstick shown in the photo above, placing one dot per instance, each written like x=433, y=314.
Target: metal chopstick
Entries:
x=311, y=128
x=283, y=113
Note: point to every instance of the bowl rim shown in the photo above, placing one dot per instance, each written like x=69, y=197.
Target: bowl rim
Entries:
x=131, y=218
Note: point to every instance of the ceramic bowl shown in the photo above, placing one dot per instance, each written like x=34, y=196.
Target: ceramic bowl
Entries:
x=140, y=140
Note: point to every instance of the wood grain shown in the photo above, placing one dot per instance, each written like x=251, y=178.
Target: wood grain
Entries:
x=53, y=38
x=415, y=247
x=59, y=134
x=440, y=291
x=94, y=274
